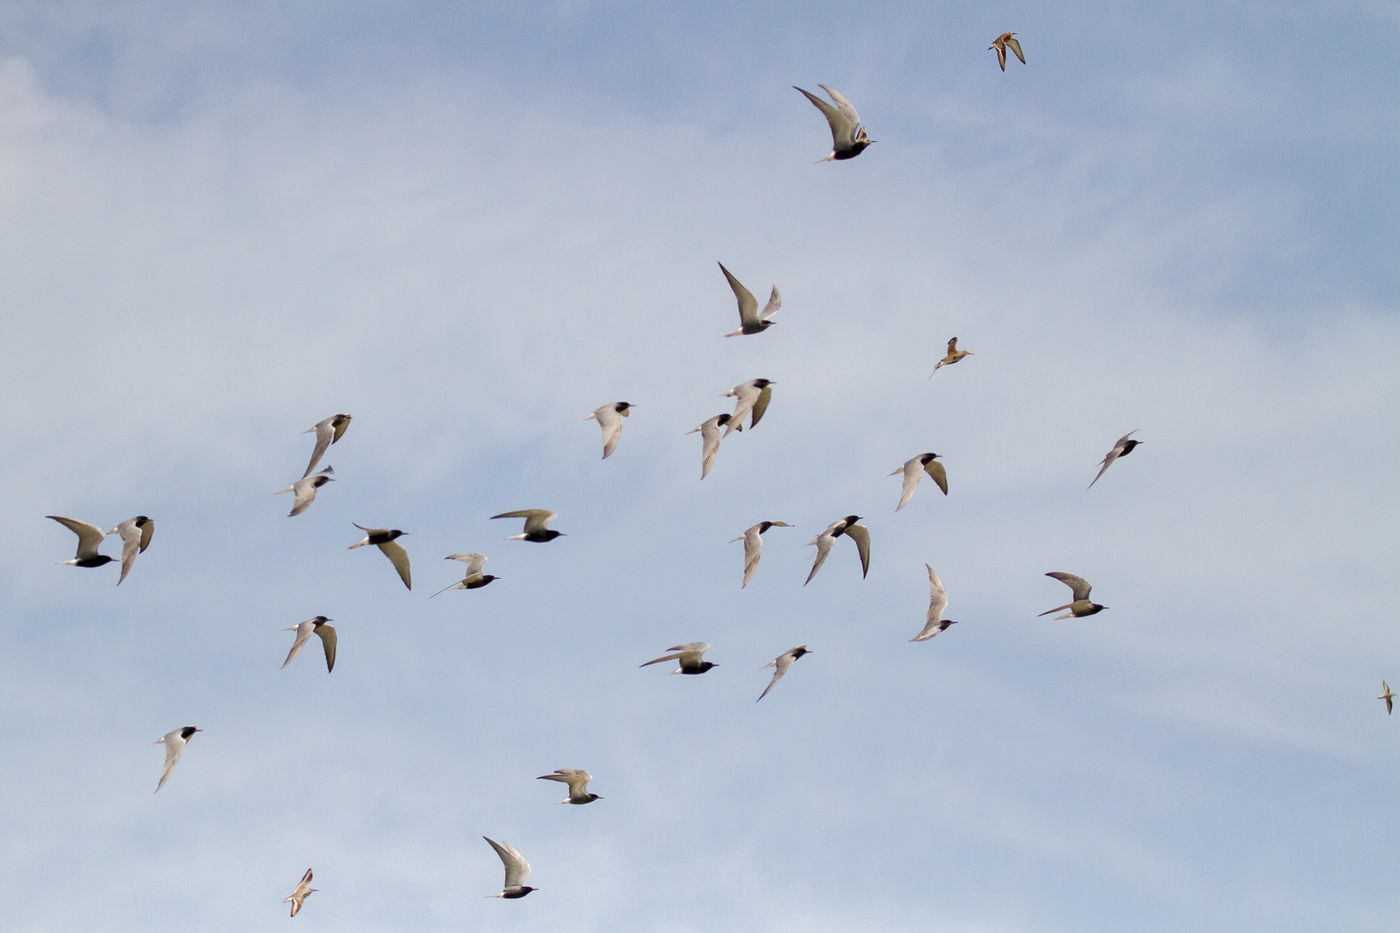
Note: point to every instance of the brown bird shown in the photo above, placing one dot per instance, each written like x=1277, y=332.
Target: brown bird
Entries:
x=954, y=354
x=303, y=891
x=1003, y=42
x=1387, y=696
x=1081, y=606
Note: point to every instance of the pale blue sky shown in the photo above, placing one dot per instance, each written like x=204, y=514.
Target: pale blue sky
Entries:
x=470, y=226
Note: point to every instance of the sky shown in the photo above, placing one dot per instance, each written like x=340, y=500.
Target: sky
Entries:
x=468, y=225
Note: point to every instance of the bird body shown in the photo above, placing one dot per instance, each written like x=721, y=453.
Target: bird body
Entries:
x=848, y=138
x=175, y=741
x=753, y=546
x=474, y=579
x=536, y=525
x=710, y=434
x=609, y=418
x=386, y=540
x=688, y=656
x=846, y=526
x=136, y=537
x=327, y=431
x=1121, y=448
x=781, y=664
x=319, y=626
x=303, y=891
x=90, y=538
x=1003, y=42
x=577, y=779
x=751, y=320
x=1081, y=606
x=914, y=468
x=752, y=398
x=937, y=602
x=304, y=490
x=517, y=870
x=953, y=356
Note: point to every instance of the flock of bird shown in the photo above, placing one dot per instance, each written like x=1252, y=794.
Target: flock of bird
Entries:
x=752, y=399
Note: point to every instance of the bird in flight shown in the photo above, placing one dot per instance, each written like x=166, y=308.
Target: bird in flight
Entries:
x=327, y=431
x=1081, y=606
x=752, y=398
x=385, y=540
x=937, y=602
x=473, y=579
x=1003, y=42
x=710, y=434
x=1121, y=448
x=1387, y=696
x=753, y=546
x=609, y=418
x=304, y=490
x=175, y=741
x=536, y=525
x=136, y=537
x=303, y=891
x=848, y=138
x=846, y=526
x=914, y=468
x=953, y=356
x=319, y=626
x=688, y=656
x=577, y=779
x=517, y=870
x=751, y=321
x=90, y=538
x=782, y=662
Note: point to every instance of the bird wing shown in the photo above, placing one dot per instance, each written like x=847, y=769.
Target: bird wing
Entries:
x=753, y=550
x=748, y=304
x=1078, y=585
x=132, y=537
x=760, y=404
x=823, y=541
x=340, y=423
x=474, y=561
x=326, y=632
x=1105, y=463
x=517, y=869
x=611, y=422
x=174, y=747
x=303, y=633
x=850, y=120
x=535, y=519
x=690, y=652
x=746, y=395
x=399, y=558
x=775, y=304
x=861, y=536
x=938, y=474
x=710, y=433
x=937, y=597
x=304, y=493
x=1000, y=45
x=325, y=435
x=1015, y=46
x=89, y=535
x=913, y=472
x=842, y=132
x=782, y=663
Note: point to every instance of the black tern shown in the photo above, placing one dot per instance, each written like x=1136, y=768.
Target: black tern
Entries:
x=782, y=662
x=751, y=321
x=136, y=537
x=321, y=627
x=609, y=418
x=89, y=540
x=953, y=356
x=848, y=138
x=517, y=870
x=710, y=434
x=327, y=432
x=688, y=656
x=304, y=489
x=1121, y=448
x=752, y=397
x=536, y=524
x=1387, y=696
x=175, y=741
x=937, y=602
x=577, y=779
x=299, y=896
x=1080, y=588
x=1003, y=42
x=914, y=469
x=473, y=579
x=383, y=538
x=753, y=547
x=846, y=526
